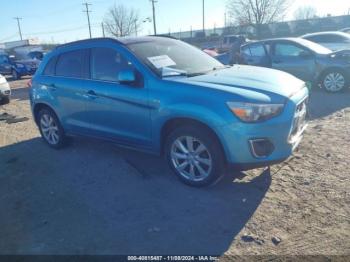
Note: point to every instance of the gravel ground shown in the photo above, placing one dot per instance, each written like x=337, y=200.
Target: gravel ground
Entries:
x=95, y=198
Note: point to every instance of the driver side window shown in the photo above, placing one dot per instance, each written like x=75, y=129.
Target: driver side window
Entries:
x=106, y=63
x=284, y=49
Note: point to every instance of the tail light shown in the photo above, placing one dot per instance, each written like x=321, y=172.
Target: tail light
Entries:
x=29, y=83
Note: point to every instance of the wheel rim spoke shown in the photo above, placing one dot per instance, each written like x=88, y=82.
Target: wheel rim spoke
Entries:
x=204, y=161
x=191, y=158
x=181, y=146
x=189, y=142
x=49, y=129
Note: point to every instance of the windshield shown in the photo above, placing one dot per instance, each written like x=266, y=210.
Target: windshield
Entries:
x=169, y=57
x=315, y=47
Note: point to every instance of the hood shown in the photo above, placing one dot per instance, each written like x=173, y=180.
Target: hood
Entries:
x=252, y=78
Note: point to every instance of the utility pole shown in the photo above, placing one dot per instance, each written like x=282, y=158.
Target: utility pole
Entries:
x=203, y=18
x=154, y=16
x=103, y=29
x=19, y=26
x=88, y=16
x=225, y=21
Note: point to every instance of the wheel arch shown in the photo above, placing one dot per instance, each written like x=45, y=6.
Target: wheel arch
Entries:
x=39, y=106
x=330, y=69
x=176, y=122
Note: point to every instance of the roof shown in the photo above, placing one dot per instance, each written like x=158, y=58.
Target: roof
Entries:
x=120, y=40
x=326, y=33
x=293, y=39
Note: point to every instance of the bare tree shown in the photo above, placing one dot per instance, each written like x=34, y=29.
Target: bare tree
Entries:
x=122, y=21
x=256, y=12
x=305, y=12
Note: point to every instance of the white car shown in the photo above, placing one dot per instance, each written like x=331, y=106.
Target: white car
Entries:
x=332, y=40
x=5, y=91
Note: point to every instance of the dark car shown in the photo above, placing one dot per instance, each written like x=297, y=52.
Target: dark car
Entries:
x=302, y=58
x=17, y=68
x=332, y=40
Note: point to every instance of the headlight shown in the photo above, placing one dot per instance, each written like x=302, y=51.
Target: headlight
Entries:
x=19, y=65
x=251, y=112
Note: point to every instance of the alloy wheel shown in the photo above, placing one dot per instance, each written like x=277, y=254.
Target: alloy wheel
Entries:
x=334, y=82
x=191, y=158
x=49, y=129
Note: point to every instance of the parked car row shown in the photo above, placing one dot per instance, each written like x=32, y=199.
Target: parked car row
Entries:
x=303, y=59
x=17, y=68
x=322, y=59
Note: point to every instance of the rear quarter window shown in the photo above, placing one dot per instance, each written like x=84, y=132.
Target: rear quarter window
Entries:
x=50, y=67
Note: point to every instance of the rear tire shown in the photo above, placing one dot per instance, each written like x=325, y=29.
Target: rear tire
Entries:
x=195, y=155
x=334, y=80
x=51, y=129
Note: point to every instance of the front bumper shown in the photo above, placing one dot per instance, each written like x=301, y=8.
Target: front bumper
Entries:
x=284, y=133
x=5, y=90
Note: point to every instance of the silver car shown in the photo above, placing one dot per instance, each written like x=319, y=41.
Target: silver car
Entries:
x=332, y=40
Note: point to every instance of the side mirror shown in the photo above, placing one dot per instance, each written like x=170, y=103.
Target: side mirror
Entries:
x=126, y=76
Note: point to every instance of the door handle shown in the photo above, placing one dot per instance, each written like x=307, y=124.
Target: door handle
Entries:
x=52, y=87
x=277, y=61
x=91, y=94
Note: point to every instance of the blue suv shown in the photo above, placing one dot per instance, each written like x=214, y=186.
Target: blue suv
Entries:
x=166, y=97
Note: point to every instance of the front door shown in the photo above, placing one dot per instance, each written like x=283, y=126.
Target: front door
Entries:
x=293, y=59
x=117, y=111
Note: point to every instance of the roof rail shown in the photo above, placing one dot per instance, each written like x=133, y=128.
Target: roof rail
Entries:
x=89, y=40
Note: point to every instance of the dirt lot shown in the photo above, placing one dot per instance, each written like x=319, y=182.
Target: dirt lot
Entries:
x=95, y=198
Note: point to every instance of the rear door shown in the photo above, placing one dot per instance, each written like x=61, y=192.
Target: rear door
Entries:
x=64, y=77
x=117, y=111
x=294, y=59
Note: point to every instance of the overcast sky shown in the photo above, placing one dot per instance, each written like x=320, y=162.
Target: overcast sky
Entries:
x=64, y=20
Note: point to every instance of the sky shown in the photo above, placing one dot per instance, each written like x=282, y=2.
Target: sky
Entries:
x=59, y=21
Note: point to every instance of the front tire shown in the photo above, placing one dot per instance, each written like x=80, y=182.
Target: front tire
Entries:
x=51, y=129
x=334, y=81
x=195, y=155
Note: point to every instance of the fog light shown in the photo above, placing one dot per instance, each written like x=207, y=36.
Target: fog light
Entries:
x=261, y=147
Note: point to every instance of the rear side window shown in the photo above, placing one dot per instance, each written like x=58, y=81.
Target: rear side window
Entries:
x=50, y=67
x=71, y=64
x=284, y=49
x=106, y=63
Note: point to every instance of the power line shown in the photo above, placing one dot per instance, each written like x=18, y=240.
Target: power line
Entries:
x=19, y=26
x=154, y=16
x=88, y=16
